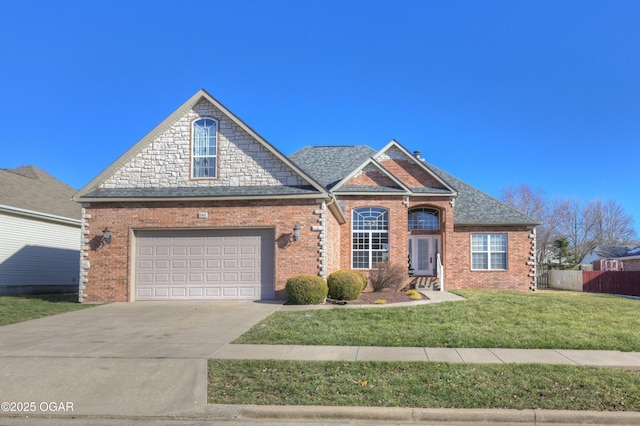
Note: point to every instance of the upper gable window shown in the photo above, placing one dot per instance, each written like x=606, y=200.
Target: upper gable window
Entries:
x=205, y=148
x=424, y=219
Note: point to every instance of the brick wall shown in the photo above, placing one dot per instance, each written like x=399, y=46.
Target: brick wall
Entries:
x=371, y=176
x=107, y=270
x=458, y=273
x=406, y=170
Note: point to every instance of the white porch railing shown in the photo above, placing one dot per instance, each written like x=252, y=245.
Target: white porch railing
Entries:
x=440, y=271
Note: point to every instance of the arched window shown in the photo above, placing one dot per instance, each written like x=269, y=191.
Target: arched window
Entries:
x=370, y=237
x=205, y=148
x=424, y=219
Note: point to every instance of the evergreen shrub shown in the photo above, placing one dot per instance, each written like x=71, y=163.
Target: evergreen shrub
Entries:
x=306, y=290
x=345, y=284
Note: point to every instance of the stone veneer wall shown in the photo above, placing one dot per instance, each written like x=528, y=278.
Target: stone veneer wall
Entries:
x=165, y=162
x=106, y=269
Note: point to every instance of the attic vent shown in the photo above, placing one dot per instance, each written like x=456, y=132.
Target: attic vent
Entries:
x=417, y=154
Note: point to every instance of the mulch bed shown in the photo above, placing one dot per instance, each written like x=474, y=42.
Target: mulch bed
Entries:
x=390, y=296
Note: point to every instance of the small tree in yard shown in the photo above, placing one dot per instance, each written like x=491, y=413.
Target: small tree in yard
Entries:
x=387, y=275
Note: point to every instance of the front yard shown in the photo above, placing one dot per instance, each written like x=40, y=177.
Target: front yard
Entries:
x=487, y=319
x=423, y=384
x=23, y=308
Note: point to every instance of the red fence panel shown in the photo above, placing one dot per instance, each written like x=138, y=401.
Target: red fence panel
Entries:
x=611, y=282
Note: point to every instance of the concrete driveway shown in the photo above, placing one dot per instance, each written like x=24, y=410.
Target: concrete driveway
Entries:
x=132, y=359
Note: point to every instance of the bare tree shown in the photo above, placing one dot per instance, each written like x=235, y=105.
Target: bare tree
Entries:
x=613, y=226
x=535, y=204
x=583, y=225
x=576, y=223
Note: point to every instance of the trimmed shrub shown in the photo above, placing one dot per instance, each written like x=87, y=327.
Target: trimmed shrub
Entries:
x=345, y=284
x=387, y=275
x=363, y=278
x=306, y=290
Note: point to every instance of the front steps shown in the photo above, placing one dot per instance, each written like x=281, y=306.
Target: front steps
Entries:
x=426, y=283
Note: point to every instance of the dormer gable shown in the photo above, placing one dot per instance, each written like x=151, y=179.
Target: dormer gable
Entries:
x=370, y=177
x=408, y=169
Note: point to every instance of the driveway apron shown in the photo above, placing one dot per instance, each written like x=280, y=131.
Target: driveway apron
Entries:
x=141, y=359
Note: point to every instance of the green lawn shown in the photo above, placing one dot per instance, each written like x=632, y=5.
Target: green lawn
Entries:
x=487, y=319
x=22, y=308
x=423, y=384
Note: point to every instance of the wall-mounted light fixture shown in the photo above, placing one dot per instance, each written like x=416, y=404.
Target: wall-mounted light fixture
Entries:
x=296, y=232
x=106, y=235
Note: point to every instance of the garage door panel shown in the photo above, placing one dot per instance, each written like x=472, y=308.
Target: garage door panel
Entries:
x=178, y=292
x=230, y=264
x=162, y=251
x=196, y=263
x=162, y=264
x=179, y=264
x=178, y=278
x=214, y=278
x=204, y=264
x=179, y=251
x=248, y=264
x=196, y=292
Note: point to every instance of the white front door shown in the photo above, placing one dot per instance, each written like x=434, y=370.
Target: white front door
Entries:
x=423, y=250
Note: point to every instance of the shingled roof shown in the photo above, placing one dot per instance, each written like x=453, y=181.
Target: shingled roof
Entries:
x=330, y=164
x=474, y=207
x=29, y=188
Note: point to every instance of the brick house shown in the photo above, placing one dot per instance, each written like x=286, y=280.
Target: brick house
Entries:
x=205, y=208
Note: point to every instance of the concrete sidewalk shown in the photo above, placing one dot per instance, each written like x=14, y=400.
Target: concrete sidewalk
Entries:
x=628, y=360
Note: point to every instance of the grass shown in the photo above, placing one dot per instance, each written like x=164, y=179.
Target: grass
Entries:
x=427, y=385
x=487, y=319
x=15, y=309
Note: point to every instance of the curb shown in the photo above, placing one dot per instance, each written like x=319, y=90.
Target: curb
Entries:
x=421, y=415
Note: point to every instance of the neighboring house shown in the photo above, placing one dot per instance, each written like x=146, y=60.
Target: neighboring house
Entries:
x=205, y=208
x=603, y=252
x=39, y=233
x=631, y=260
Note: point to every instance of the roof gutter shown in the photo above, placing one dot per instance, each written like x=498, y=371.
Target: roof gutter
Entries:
x=333, y=206
x=528, y=224
x=226, y=198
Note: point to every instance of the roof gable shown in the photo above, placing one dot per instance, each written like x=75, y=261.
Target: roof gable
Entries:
x=32, y=189
x=370, y=177
x=159, y=165
x=408, y=169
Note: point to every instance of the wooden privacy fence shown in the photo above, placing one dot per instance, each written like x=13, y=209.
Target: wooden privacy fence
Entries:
x=612, y=282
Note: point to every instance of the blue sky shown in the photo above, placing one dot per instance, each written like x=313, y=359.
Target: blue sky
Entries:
x=498, y=93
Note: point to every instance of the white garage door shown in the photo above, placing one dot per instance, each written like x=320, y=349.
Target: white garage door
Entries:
x=204, y=264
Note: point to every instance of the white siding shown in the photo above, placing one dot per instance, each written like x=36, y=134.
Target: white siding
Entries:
x=36, y=252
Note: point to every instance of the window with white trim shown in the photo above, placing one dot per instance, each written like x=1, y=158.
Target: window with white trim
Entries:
x=370, y=237
x=205, y=148
x=489, y=252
